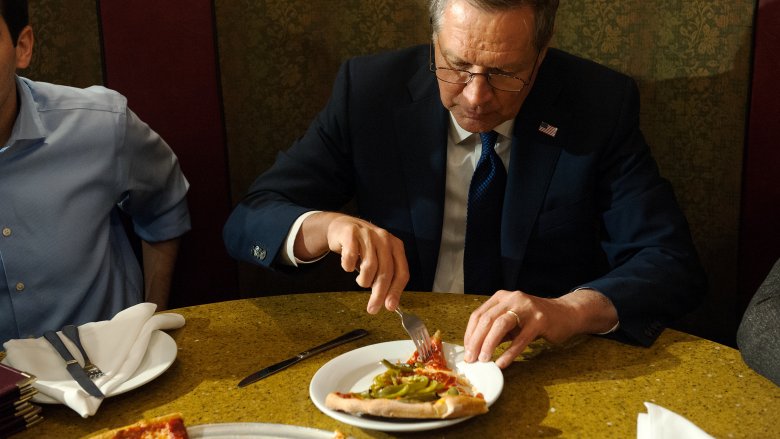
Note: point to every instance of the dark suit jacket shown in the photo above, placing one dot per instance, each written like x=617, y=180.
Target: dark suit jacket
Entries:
x=586, y=207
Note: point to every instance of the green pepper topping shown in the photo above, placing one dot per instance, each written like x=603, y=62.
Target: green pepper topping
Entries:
x=393, y=391
x=399, y=381
x=403, y=367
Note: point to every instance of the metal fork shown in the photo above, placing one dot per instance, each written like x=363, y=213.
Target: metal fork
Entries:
x=418, y=332
x=72, y=333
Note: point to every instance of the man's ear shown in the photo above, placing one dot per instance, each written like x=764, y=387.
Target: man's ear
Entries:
x=24, y=47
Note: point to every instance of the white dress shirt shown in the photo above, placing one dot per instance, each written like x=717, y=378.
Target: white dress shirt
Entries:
x=463, y=151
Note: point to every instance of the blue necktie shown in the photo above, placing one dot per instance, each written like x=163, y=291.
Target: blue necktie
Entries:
x=482, y=253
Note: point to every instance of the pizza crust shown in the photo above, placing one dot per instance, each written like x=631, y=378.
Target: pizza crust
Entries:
x=446, y=407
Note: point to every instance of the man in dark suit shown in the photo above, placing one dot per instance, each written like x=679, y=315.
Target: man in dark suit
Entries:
x=587, y=238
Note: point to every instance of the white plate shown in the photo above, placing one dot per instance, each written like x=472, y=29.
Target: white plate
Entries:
x=355, y=370
x=159, y=356
x=255, y=431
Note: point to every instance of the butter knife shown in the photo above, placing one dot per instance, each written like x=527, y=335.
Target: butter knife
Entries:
x=73, y=366
x=270, y=370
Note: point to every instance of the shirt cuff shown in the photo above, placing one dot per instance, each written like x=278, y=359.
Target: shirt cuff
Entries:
x=288, y=255
x=611, y=330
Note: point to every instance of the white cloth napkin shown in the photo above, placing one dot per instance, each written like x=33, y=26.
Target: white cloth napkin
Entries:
x=661, y=423
x=117, y=346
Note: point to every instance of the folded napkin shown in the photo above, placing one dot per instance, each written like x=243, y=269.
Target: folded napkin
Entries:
x=117, y=346
x=661, y=423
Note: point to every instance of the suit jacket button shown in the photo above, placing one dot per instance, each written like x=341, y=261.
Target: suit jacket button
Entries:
x=258, y=252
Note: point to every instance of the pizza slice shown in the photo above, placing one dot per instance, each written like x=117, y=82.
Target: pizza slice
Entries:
x=415, y=389
x=169, y=426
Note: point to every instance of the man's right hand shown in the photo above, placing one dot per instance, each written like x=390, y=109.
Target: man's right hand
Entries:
x=377, y=255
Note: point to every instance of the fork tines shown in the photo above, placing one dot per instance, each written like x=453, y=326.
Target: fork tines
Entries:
x=418, y=333
x=423, y=343
x=72, y=332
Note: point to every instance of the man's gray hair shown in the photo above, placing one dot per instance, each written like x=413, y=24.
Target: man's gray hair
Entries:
x=544, y=11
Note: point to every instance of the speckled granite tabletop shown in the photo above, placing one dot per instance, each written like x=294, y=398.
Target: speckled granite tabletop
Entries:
x=591, y=389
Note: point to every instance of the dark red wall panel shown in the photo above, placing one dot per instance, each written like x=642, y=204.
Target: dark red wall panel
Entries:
x=760, y=234
x=162, y=56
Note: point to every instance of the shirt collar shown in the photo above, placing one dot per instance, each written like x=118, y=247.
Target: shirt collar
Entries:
x=458, y=134
x=28, y=125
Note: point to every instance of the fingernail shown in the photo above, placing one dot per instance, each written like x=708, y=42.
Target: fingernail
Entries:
x=484, y=356
x=392, y=305
x=468, y=356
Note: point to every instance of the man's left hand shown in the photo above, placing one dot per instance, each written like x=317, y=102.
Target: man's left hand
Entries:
x=555, y=319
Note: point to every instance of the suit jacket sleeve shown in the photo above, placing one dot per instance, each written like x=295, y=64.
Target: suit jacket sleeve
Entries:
x=599, y=214
x=313, y=174
x=655, y=274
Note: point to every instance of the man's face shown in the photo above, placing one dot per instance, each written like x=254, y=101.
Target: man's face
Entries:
x=481, y=42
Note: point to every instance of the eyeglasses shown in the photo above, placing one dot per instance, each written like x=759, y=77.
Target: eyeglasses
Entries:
x=499, y=81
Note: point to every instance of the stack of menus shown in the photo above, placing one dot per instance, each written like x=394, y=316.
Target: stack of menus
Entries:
x=17, y=412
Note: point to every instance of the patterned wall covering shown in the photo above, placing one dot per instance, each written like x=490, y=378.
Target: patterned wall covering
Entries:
x=67, y=43
x=690, y=58
x=279, y=58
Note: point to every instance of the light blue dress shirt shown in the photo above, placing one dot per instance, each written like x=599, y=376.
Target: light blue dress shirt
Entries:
x=76, y=156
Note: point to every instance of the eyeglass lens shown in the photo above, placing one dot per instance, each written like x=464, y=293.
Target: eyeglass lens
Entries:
x=499, y=81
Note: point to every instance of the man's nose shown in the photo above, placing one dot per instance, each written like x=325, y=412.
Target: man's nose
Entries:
x=478, y=90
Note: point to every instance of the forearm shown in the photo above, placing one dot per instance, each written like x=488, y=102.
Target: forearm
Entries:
x=159, y=259
x=591, y=312
x=311, y=241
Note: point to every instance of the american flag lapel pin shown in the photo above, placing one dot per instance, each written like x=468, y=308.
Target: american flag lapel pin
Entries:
x=548, y=129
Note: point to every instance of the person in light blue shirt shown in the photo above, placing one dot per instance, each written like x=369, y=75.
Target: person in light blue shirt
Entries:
x=71, y=160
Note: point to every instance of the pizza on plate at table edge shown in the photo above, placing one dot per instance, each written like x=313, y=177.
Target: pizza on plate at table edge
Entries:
x=414, y=390
x=169, y=426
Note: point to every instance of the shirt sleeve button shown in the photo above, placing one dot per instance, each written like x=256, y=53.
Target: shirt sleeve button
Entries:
x=20, y=286
x=6, y=232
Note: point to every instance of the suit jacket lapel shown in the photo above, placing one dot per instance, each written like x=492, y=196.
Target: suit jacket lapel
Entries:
x=421, y=129
x=534, y=156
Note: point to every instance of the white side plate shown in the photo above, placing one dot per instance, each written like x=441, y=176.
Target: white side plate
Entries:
x=159, y=356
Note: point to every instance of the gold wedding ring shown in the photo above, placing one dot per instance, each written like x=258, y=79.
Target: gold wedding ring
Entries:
x=517, y=318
